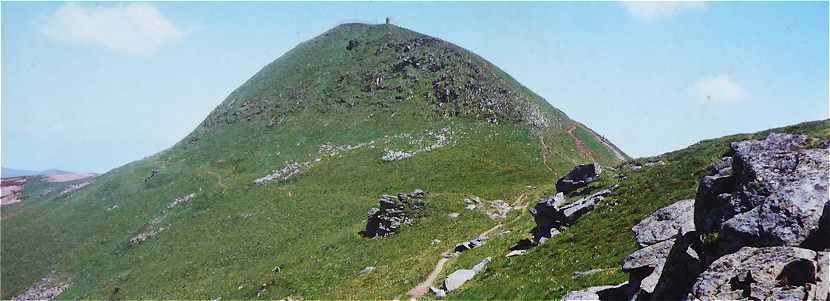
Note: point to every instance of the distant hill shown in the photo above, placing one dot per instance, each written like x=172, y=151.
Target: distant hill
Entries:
x=11, y=172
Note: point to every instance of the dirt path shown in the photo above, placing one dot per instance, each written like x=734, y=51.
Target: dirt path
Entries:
x=422, y=288
x=579, y=144
x=218, y=179
x=545, y=151
x=617, y=153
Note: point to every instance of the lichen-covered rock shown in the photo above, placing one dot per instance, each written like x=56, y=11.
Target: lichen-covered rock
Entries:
x=775, y=195
x=665, y=223
x=392, y=213
x=772, y=273
x=579, y=177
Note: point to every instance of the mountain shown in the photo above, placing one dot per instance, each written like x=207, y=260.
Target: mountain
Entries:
x=268, y=197
x=283, y=172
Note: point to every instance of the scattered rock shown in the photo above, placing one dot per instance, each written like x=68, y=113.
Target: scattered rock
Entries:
x=392, y=213
x=353, y=44
x=771, y=273
x=665, y=223
x=394, y=155
x=516, y=253
x=74, y=187
x=367, y=270
x=469, y=245
x=153, y=173
x=47, y=288
x=289, y=170
x=454, y=215
x=579, y=177
x=439, y=293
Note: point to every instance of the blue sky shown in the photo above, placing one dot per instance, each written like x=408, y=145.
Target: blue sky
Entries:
x=91, y=86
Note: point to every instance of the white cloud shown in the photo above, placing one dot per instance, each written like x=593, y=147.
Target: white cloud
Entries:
x=134, y=28
x=650, y=11
x=719, y=89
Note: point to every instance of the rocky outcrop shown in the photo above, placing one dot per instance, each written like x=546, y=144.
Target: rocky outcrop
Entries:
x=773, y=194
x=550, y=213
x=47, y=288
x=772, y=273
x=579, y=177
x=665, y=223
x=392, y=213
x=747, y=233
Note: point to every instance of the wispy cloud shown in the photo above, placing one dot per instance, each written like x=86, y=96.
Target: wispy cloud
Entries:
x=134, y=28
x=719, y=89
x=651, y=11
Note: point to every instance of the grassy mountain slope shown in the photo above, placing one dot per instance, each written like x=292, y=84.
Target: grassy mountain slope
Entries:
x=211, y=232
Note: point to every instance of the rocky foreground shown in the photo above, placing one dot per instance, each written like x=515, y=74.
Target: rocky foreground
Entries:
x=757, y=229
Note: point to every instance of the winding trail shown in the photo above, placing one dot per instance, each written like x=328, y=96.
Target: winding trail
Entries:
x=545, y=151
x=422, y=288
x=218, y=179
x=579, y=144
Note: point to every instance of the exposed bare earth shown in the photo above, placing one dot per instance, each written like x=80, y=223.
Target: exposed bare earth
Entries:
x=12, y=190
x=69, y=177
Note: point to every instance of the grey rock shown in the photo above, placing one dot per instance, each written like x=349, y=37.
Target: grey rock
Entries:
x=469, y=245
x=439, y=293
x=649, y=257
x=392, y=213
x=579, y=177
x=458, y=278
x=454, y=215
x=607, y=292
x=774, y=273
x=574, y=211
x=774, y=194
x=367, y=270
x=665, y=223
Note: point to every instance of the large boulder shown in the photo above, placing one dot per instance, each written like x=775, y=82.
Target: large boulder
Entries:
x=773, y=194
x=392, y=213
x=665, y=223
x=665, y=270
x=458, y=278
x=579, y=177
x=771, y=273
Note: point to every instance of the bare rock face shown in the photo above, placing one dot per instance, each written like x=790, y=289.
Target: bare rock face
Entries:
x=772, y=273
x=774, y=194
x=665, y=223
x=579, y=177
x=392, y=213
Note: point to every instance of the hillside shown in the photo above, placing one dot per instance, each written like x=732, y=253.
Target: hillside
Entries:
x=266, y=197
